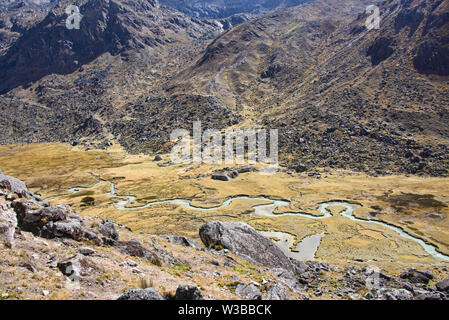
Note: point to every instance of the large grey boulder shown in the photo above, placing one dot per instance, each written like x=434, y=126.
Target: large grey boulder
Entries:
x=33, y=218
x=393, y=294
x=443, y=285
x=8, y=224
x=14, y=185
x=36, y=216
x=108, y=230
x=416, y=276
x=250, y=292
x=71, y=228
x=278, y=292
x=141, y=294
x=186, y=292
x=48, y=222
x=245, y=241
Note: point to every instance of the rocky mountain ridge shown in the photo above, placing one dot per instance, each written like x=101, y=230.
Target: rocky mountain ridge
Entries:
x=18, y=16
x=106, y=27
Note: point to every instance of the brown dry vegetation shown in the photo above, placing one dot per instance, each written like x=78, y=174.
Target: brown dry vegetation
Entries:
x=107, y=275
x=403, y=201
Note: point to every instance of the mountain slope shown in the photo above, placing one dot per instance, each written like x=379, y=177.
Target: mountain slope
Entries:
x=106, y=27
x=83, y=80
x=218, y=9
x=372, y=104
x=18, y=16
x=342, y=96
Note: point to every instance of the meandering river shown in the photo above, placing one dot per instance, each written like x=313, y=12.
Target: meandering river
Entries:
x=306, y=248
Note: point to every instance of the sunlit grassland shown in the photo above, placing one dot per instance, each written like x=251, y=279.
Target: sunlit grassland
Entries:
x=404, y=201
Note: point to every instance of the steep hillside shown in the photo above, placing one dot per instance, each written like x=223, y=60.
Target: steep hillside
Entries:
x=18, y=16
x=369, y=102
x=86, y=79
x=106, y=27
x=342, y=96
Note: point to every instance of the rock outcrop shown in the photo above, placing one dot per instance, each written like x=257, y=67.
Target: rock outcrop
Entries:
x=417, y=276
x=47, y=222
x=184, y=241
x=14, y=185
x=186, y=292
x=8, y=223
x=141, y=294
x=443, y=285
x=245, y=241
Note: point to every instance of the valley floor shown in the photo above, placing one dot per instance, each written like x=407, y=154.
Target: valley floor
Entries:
x=417, y=205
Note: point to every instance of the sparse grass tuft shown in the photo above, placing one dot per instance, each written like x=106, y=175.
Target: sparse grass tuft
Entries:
x=145, y=283
x=156, y=262
x=181, y=267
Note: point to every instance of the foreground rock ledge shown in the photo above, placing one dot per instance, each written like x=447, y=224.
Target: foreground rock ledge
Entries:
x=245, y=241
